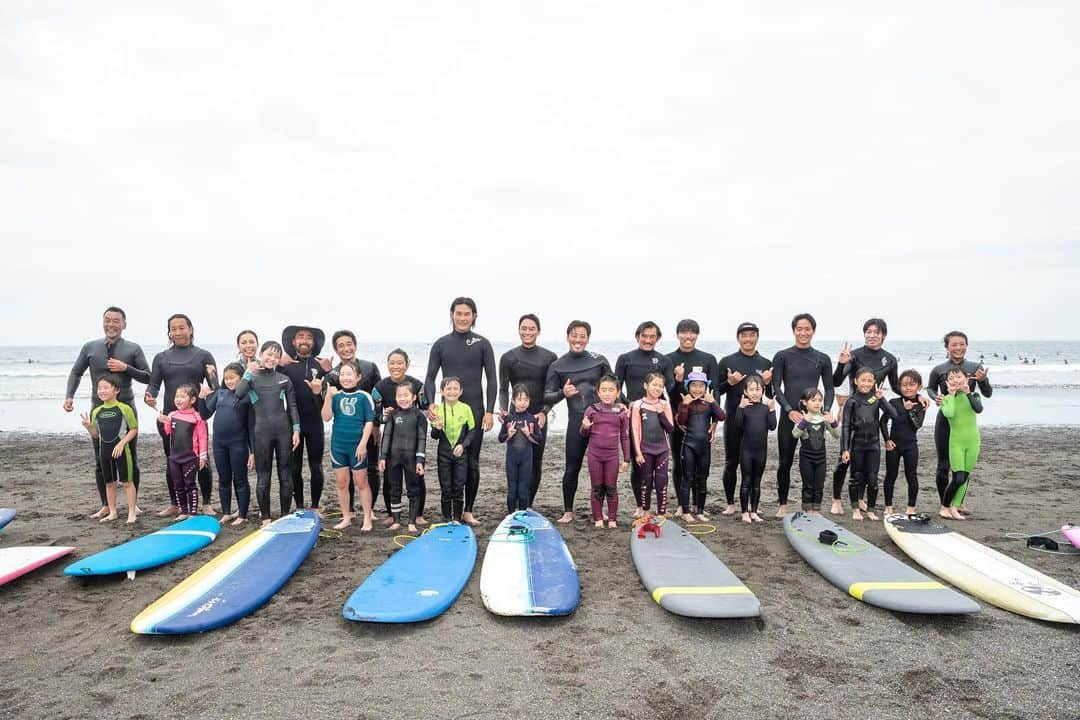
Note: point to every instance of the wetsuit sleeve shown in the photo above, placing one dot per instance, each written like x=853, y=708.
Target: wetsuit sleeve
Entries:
x=421, y=439
x=589, y=413
x=387, y=440
x=552, y=388
x=624, y=436
x=620, y=375
x=290, y=401
x=250, y=414
x=669, y=376
x=209, y=403
x=466, y=437
x=504, y=382
x=883, y=423
x=984, y=387
x=718, y=412
x=129, y=416
x=504, y=429
x=665, y=419
x=827, y=381
x=82, y=362
x=888, y=409
x=437, y=433
x=682, y=414
x=740, y=418
x=138, y=369
x=841, y=372
x=778, y=380
x=492, y=378
x=833, y=430
x=243, y=387
x=948, y=406
x=772, y=418
x=917, y=415
x=799, y=434
x=635, y=422
x=377, y=401
x=976, y=402
x=202, y=439
x=167, y=425
x=848, y=427
x=154, y=386
x=434, y=363
x=534, y=430
x=211, y=379
x=933, y=383
x=894, y=378
x=719, y=378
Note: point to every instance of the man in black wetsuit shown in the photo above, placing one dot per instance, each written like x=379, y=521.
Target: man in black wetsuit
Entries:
x=574, y=377
x=527, y=364
x=685, y=360
x=630, y=371
x=302, y=344
x=123, y=358
x=469, y=357
x=731, y=372
x=795, y=369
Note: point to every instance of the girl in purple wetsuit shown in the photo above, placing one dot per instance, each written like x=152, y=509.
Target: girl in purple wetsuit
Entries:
x=605, y=427
x=651, y=423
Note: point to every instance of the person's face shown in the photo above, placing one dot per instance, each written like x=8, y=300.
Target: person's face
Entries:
x=909, y=388
x=608, y=392
x=269, y=358
x=349, y=378
x=578, y=339
x=451, y=392
x=114, y=324
x=957, y=348
x=179, y=332
x=814, y=404
x=463, y=317
x=303, y=341
x=697, y=389
x=655, y=388
x=803, y=332
x=865, y=382
x=521, y=402
x=956, y=381
x=345, y=348
x=404, y=398
x=647, y=339
x=687, y=340
x=528, y=332
x=754, y=392
x=106, y=392
x=747, y=342
x=397, y=365
x=248, y=345
x=182, y=400
x=231, y=379
x=873, y=337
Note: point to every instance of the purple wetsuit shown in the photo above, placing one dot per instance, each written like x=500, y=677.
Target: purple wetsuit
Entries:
x=651, y=424
x=610, y=428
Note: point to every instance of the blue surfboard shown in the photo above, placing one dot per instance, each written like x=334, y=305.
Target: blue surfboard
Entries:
x=418, y=582
x=157, y=548
x=6, y=516
x=235, y=583
x=528, y=569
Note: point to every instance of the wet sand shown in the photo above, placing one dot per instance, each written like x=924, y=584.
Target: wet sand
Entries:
x=816, y=652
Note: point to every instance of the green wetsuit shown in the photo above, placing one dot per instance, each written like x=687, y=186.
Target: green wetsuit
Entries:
x=113, y=420
x=960, y=410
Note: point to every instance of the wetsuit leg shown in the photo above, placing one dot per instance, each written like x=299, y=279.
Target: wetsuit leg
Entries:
x=941, y=444
x=206, y=484
x=870, y=476
x=838, y=476
x=316, y=448
x=755, y=479
x=168, y=476
x=660, y=463
x=646, y=481
x=264, y=462
x=472, y=476
x=412, y=488
x=635, y=475
x=610, y=473
x=700, y=487
x=855, y=486
x=598, y=488
x=685, y=475
x=296, y=460
x=524, y=477
x=395, y=474
x=283, y=445
x=373, y=475
x=676, y=439
x=238, y=457
x=819, y=471
x=134, y=460
x=732, y=460
x=223, y=462
x=99, y=478
x=576, y=445
x=786, y=443
x=892, y=471
x=911, y=473
x=537, y=466
x=460, y=477
x=446, y=481
x=184, y=469
x=746, y=466
x=806, y=472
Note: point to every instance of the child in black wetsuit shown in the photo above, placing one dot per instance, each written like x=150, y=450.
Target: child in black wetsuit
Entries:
x=114, y=425
x=901, y=441
x=811, y=431
x=755, y=420
x=859, y=441
x=520, y=431
x=403, y=450
x=697, y=417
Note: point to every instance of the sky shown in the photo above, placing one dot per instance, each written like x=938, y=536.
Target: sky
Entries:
x=360, y=164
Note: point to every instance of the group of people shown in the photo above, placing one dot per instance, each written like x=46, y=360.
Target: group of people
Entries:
x=650, y=414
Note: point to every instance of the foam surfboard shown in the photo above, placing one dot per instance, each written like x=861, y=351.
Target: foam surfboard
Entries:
x=685, y=578
x=418, y=582
x=528, y=569
x=983, y=572
x=868, y=573
x=18, y=561
x=6, y=516
x=1071, y=533
x=157, y=548
x=235, y=583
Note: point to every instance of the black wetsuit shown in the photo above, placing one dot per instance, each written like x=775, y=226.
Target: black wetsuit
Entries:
x=369, y=378
x=384, y=395
x=812, y=458
x=467, y=356
x=695, y=449
x=312, y=430
x=173, y=367
x=403, y=446
x=519, y=451
x=276, y=419
x=630, y=370
x=528, y=367
x=755, y=421
x=234, y=440
x=747, y=365
x=94, y=356
x=884, y=366
x=583, y=370
x=859, y=436
x=938, y=384
x=794, y=370
x=904, y=433
x=693, y=361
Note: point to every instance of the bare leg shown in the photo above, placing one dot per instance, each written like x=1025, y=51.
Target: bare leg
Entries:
x=363, y=491
x=132, y=502
x=341, y=478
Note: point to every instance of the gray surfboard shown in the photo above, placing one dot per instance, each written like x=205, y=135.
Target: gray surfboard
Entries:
x=868, y=573
x=684, y=577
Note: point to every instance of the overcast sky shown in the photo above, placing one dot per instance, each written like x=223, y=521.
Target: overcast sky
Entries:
x=359, y=164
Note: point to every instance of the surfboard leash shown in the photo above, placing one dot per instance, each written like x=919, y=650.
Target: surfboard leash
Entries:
x=1042, y=542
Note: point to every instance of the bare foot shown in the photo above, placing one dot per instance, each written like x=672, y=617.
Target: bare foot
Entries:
x=366, y=527
x=132, y=519
x=421, y=521
x=318, y=512
x=566, y=517
x=756, y=518
x=638, y=512
x=138, y=510
x=209, y=510
x=746, y=518
x=837, y=508
x=169, y=511
x=612, y=524
x=729, y=510
x=468, y=517
x=345, y=522
x=182, y=516
x=266, y=522
x=598, y=523
x=780, y=512
x=910, y=510
x=871, y=515
x=679, y=513
x=816, y=513
x=100, y=513
x=388, y=521
x=888, y=510
x=239, y=521
x=395, y=526
x=108, y=518
x=862, y=505
x=412, y=528
x=856, y=515
x=703, y=516
x=945, y=512
x=956, y=514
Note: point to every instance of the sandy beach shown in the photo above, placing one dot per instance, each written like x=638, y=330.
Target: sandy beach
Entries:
x=816, y=653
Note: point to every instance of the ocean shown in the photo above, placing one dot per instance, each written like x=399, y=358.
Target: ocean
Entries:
x=1035, y=383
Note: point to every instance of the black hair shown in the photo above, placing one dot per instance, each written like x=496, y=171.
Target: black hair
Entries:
x=179, y=316
x=956, y=370
x=520, y=389
x=113, y=308
x=645, y=326
x=608, y=378
x=879, y=323
x=234, y=367
x=649, y=377
x=863, y=371
x=242, y=333
x=398, y=351
x=530, y=316
x=952, y=334
x=756, y=379
x=688, y=325
x=340, y=334
x=404, y=384
x=190, y=390
x=808, y=394
x=447, y=380
x=579, y=324
x=271, y=345
x=912, y=374
x=110, y=378
x=465, y=301
x=804, y=316
x=350, y=363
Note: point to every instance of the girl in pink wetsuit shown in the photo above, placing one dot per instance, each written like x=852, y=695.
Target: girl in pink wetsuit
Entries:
x=605, y=427
x=651, y=423
x=186, y=431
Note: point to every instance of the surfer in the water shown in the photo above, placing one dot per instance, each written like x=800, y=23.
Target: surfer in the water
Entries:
x=960, y=407
x=605, y=428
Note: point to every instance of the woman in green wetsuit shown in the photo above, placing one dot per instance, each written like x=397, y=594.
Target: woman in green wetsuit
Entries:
x=960, y=407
